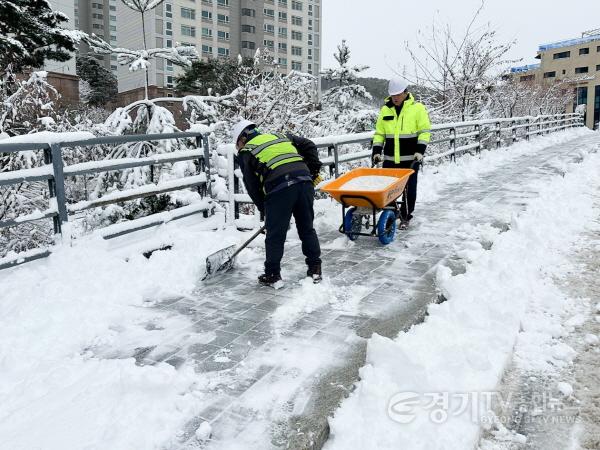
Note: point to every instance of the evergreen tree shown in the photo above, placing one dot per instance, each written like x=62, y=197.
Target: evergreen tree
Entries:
x=214, y=76
x=30, y=33
x=102, y=83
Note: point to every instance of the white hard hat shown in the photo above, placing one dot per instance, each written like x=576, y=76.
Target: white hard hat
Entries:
x=397, y=86
x=239, y=127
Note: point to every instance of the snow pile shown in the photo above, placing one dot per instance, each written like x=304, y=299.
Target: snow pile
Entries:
x=427, y=388
x=69, y=337
x=368, y=183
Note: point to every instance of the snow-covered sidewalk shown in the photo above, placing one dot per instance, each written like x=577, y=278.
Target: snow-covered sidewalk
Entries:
x=435, y=385
x=101, y=347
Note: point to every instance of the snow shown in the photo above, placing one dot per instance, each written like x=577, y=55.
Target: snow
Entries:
x=368, y=183
x=48, y=137
x=507, y=297
x=565, y=388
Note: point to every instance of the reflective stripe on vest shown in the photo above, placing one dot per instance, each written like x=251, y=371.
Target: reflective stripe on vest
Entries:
x=274, y=152
x=402, y=158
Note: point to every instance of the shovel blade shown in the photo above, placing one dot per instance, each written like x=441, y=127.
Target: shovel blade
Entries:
x=220, y=261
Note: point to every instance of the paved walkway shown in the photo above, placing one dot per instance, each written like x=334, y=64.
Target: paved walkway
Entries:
x=279, y=362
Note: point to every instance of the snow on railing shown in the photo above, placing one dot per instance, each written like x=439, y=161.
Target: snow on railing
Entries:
x=54, y=172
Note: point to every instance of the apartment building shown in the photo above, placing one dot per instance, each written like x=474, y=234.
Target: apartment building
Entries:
x=576, y=61
x=290, y=29
x=98, y=17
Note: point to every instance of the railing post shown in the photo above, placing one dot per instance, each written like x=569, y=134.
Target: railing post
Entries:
x=231, y=211
x=478, y=129
x=514, y=131
x=453, y=144
x=329, y=154
x=51, y=188
x=59, y=185
x=236, y=190
x=528, y=120
x=336, y=161
x=206, y=148
x=498, y=134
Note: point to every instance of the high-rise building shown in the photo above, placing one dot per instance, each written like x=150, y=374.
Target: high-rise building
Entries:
x=290, y=29
x=576, y=61
x=100, y=18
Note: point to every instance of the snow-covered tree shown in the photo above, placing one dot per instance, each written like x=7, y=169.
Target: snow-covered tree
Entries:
x=98, y=86
x=458, y=72
x=345, y=106
x=140, y=59
x=31, y=32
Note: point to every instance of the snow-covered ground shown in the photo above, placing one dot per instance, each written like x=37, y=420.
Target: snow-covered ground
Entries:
x=75, y=327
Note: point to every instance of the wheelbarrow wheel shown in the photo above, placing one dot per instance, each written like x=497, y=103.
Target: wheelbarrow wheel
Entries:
x=352, y=224
x=386, y=226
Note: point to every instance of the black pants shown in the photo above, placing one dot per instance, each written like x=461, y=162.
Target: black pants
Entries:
x=296, y=200
x=408, y=204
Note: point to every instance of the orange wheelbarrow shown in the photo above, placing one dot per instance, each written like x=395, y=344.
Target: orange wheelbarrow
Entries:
x=364, y=193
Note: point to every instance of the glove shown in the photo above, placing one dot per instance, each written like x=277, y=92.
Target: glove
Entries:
x=377, y=158
x=418, y=157
x=316, y=180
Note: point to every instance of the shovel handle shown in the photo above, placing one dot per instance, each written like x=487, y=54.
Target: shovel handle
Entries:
x=245, y=244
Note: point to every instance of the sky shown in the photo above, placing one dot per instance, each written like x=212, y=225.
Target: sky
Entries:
x=377, y=31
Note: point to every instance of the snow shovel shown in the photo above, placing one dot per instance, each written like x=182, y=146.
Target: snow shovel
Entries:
x=222, y=260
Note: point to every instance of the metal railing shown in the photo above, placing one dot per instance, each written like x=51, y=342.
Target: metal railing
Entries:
x=459, y=138
x=54, y=172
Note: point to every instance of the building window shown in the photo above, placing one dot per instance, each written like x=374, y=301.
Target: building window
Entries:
x=581, y=69
x=112, y=7
x=527, y=78
x=97, y=5
x=98, y=26
x=584, y=51
x=223, y=52
x=596, y=106
x=269, y=13
x=297, y=35
x=580, y=96
x=249, y=44
x=113, y=38
x=207, y=49
x=206, y=2
x=168, y=10
x=169, y=66
x=98, y=16
x=207, y=32
x=269, y=28
x=248, y=29
x=170, y=81
x=222, y=18
x=283, y=3
x=310, y=10
x=282, y=32
x=549, y=74
x=206, y=15
x=114, y=68
x=168, y=28
x=296, y=51
x=310, y=53
x=248, y=12
x=282, y=46
x=224, y=3
x=296, y=6
x=223, y=35
x=188, y=13
x=282, y=62
x=597, y=67
x=561, y=55
x=188, y=31
x=297, y=21
x=296, y=65
x=282, y=16
x=269, y=44
x=169, y=43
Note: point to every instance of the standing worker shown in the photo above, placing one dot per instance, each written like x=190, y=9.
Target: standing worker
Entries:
x=280, y=172
x=401, y=137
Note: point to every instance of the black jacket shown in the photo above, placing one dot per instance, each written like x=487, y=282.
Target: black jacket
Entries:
x=307, y=169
